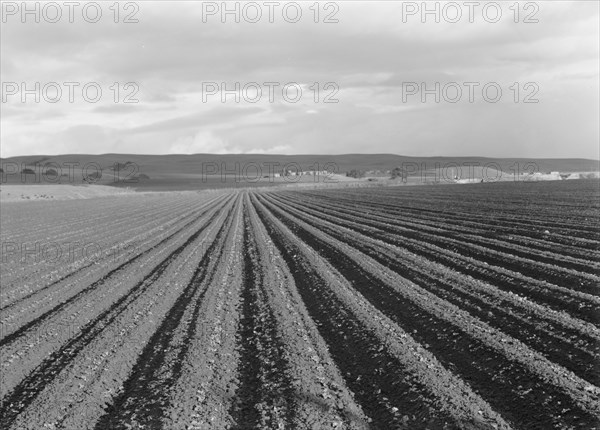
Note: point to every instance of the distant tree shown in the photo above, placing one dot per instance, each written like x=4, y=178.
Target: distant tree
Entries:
x=398, y=172
x=355, y=173
x=92, y=178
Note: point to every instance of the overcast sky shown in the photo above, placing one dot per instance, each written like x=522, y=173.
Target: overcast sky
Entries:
x=370, y=54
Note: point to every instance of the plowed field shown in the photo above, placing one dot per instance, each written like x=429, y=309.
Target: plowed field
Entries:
x=443, y=307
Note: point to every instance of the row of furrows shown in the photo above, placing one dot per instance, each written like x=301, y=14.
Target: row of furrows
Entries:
x=75, y=221
x=496, y=276
x=25, y=353
x=202, y=396
x=81, y=391
x=322, y=397
x=265, y=397
x=580, y=305
x=567, y=346
x=559, y=271
x=29, y=388
x=405, y=205
x=105, y=279
x=534, y=402
x=376, y=377
x=109, y=232
x=544, y=253
x=487, y=223
x=564, y=197
x=446, y=207
x=108, y=249
x=145, y=395
x=84, y=221
x=100, y=264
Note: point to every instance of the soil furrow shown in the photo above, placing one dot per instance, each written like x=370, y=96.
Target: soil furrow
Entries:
x=31, y=325
x=408, y=206
x=114, y=229
x=96, y=262
x=265, y=396
x=479, y=237
x=563, y=274
x=478, y=364
x=24, y=393
x=562, y=350
x=377, y=378
x=146, y=391
x=506, y=280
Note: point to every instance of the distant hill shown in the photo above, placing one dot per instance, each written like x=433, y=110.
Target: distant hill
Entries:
x=182, y=163
x=186, y=171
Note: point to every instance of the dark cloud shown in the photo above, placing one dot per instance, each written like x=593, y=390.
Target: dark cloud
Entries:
x=370, y=54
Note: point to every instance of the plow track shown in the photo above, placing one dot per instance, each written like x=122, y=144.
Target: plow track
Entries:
x=457, y=350
x=152, y=376
x=368, y=370
x=265, y=396
x=575, y=346
x=35, y=382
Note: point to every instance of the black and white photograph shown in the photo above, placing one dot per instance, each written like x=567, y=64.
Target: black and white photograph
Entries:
x=300, y=215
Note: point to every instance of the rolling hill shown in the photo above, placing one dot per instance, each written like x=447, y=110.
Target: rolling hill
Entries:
x=181, y=171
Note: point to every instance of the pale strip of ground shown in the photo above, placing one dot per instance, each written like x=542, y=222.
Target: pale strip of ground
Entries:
x=29, y=192
x=10, y=193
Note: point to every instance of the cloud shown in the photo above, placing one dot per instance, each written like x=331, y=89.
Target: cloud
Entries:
x=213, y=116
x=202, y=142
x=369, y=54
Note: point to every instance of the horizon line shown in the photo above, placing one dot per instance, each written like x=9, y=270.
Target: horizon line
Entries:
x=298, y=155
